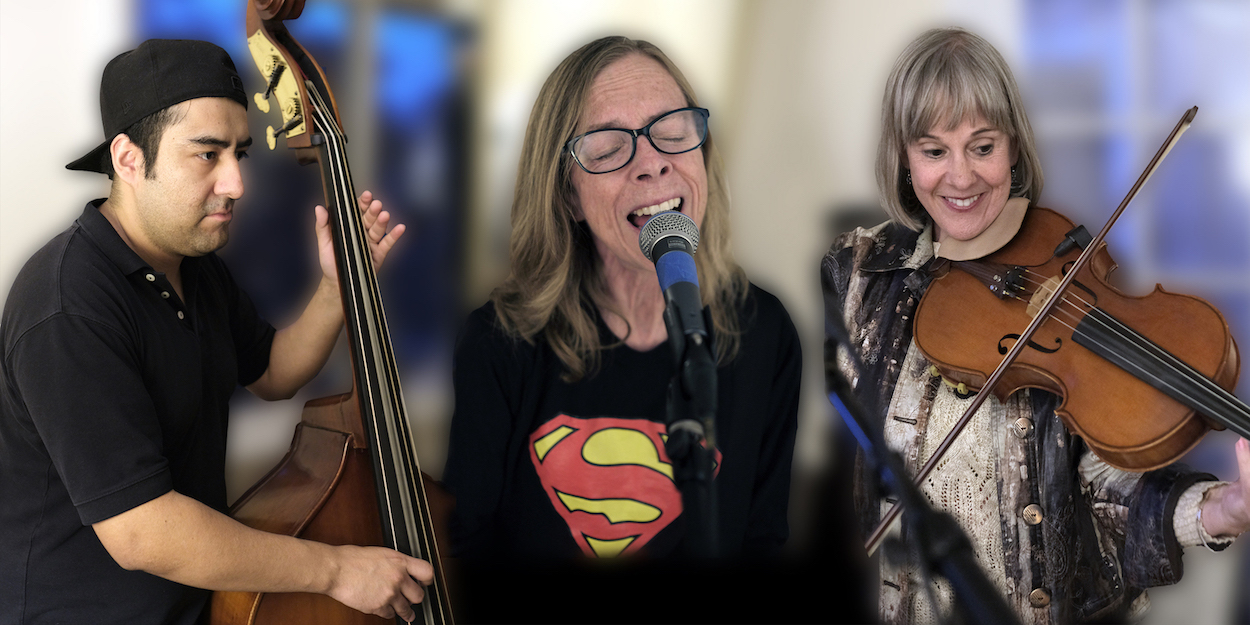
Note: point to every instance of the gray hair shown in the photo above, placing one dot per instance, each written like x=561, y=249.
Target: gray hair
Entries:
x=948, y=75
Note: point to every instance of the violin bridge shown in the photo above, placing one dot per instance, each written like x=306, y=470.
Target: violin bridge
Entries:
x=1041, y=295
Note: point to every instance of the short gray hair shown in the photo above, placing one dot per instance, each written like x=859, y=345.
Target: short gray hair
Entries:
x=946, y=76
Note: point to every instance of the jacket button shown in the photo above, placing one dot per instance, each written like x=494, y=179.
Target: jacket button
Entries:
x=1032, y=514
x=1039, y=598
x=1022, y=427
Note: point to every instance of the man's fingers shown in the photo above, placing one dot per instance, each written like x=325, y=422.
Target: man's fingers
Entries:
x=404, y=610
x=421, y=571
x=377, y=229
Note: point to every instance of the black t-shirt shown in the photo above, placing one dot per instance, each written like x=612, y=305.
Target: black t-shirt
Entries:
x=114, y=393
x=545, y=470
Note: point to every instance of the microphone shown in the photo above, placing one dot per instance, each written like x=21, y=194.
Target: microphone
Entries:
x=669, y=240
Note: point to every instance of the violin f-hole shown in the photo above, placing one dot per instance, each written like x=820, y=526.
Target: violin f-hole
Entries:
x=1003, y=347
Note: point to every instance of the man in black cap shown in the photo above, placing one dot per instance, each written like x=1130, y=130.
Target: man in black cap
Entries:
x=123, y=339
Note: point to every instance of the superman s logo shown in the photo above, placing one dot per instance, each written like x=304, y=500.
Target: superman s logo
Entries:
x=609, y=479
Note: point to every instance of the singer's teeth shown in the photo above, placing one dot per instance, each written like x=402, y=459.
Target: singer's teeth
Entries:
x=964, y=202
x=658, y=208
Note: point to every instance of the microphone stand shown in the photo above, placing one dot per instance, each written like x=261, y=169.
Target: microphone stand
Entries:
x=942, y=545
x=691, y=441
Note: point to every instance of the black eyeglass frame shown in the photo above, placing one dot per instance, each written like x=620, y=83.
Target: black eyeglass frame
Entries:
x=645, y=131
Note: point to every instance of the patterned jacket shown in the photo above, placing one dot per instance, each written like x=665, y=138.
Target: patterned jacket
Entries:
x=1078, y=545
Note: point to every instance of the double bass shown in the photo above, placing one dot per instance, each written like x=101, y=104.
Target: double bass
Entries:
x=351, y=475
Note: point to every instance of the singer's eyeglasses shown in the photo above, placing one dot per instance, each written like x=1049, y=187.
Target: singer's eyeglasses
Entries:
x=609, y=149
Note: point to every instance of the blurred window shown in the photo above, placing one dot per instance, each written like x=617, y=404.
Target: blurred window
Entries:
x=1105, y=83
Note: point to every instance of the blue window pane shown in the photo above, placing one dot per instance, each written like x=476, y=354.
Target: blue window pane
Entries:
x=421, y=131
x=323, y=23
x=415, y=67
x=1236, y=311
x=1076, y=58
x=1202, y=224
x=1199, y=54
x=1075, y=177
x=209, y=20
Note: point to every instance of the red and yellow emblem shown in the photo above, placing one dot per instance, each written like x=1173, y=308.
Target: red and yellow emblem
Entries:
x=609, y=479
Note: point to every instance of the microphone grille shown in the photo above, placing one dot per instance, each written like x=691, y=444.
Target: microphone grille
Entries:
x=668, y=223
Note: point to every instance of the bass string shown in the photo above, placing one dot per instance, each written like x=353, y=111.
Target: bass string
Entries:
x=421, y=530
x=368, y=304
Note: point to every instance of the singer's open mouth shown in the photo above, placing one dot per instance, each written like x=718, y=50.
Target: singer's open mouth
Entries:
x=640, y=217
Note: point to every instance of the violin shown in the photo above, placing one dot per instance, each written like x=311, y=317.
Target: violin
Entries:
x=1142, y=379
x=351, y=475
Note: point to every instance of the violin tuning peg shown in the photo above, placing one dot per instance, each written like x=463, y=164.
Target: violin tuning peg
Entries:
x=270, y=138
x=261, y=103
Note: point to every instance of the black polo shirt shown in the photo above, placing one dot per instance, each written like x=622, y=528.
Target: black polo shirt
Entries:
x=114, y=392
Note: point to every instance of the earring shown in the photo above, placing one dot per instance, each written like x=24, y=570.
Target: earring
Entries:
x=1017, y=187
x=907, y=196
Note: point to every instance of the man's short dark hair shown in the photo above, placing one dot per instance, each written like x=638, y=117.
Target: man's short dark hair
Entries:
x=146, y=133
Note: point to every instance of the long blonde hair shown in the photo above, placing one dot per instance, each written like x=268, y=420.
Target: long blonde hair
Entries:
x=554, y=283
x=946, y=75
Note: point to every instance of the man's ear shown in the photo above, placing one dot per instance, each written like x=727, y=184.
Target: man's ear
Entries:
x=128, y=162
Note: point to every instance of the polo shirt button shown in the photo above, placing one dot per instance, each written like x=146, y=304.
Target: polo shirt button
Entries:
x=180, y=315
x=165, y=294
x=1039, y=598
x=151, y=278
x=1032, y=514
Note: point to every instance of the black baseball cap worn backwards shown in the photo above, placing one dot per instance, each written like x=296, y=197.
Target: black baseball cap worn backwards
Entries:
x=158, y=74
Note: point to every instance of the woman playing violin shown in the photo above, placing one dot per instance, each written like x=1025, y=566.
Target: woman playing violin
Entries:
x=1064, y=536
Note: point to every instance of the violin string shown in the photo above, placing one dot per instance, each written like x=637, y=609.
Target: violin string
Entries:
x=1157, y=382
x=1101, y=319
x=1074, y=316
x=1228, y=401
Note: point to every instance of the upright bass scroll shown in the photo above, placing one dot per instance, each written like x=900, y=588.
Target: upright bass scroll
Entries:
x=351, y=475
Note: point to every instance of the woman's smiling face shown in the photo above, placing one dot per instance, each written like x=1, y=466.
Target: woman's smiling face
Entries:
x=962, y=176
